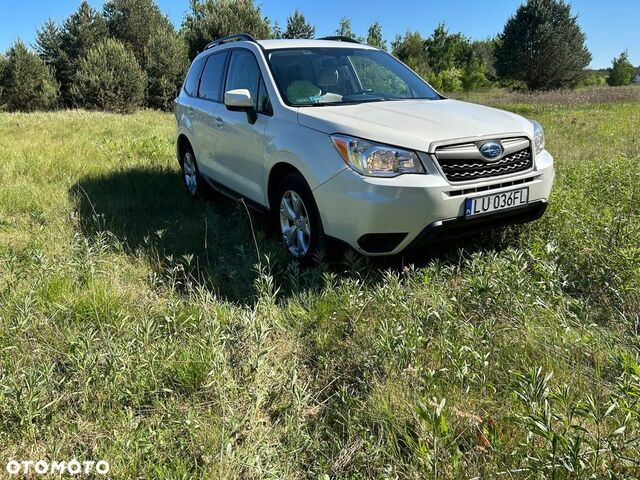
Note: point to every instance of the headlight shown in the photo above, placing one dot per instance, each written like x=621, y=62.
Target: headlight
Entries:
x=376, y=160
x=538, y=136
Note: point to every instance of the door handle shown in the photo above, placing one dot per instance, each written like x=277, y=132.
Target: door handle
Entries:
x=218, y=121
x=190, y=111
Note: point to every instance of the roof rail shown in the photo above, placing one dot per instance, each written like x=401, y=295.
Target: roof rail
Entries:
x=340, y=38
x=236, y=37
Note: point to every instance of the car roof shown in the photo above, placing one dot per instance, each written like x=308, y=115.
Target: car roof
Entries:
x=300, y=43
x=279, y=44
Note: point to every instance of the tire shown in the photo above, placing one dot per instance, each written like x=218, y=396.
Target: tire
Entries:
x=297, y=218
x=194, y=183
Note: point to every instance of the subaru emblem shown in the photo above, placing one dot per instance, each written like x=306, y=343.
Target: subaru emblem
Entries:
x=491, y=150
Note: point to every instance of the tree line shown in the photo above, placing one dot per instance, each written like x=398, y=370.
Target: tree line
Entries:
x=129, y=55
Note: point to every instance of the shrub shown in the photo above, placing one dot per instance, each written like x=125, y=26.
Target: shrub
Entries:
x=473, y=76
x=594, y=80
x=484, y=51
x=109, y=78
x=27, y=83
x=449, y=80
x=621, y=71
x=167, y=61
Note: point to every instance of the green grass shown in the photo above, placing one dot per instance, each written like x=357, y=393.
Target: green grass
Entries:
x=143, y=328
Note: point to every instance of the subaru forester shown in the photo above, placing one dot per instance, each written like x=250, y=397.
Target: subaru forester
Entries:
x=339, y=140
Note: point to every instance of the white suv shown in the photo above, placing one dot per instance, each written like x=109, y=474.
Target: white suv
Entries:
x=341, y=140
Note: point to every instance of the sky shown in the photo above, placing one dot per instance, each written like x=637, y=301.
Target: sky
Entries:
x=611, y=26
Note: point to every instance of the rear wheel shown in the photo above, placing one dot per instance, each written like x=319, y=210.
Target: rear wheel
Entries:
x=193, y=181
x=298, y=218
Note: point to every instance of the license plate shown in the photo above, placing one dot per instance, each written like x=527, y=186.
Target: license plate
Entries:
x=496, y=202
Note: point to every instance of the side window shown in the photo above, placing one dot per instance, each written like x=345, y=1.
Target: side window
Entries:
x=191, y=82
x=211, y=82
x=243, y=72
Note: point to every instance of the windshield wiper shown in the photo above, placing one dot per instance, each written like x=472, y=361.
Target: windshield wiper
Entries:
x=346, y=102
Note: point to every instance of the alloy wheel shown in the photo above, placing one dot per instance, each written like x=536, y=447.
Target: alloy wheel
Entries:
x=294, y=224
x=190, y=173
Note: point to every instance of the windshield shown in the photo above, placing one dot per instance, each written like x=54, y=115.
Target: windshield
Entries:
x=337, y=76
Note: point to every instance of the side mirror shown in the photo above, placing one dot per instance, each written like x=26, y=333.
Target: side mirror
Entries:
x=239, y=100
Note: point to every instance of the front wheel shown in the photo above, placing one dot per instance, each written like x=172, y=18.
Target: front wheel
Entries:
x=298, y=218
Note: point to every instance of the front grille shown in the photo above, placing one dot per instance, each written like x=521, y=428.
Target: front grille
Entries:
x=461, y=170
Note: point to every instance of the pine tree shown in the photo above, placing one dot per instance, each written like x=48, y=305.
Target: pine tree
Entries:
x=211, y=19
x=446, y=51
x=27, y=82
x=410, y=49
x=374, y=36
x=80, y=32
x=49, y=44
x=135, y=22
x=344, y=29
x=276, y=30
x=543, y=46
x=298, y=27
x=109, y=78
x=166, y=63
x=485, y=50
x=3, y=65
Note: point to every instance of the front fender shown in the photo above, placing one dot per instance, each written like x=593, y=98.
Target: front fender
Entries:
x=310, y=151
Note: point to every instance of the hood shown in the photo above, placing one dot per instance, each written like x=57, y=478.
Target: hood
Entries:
x=414, y=124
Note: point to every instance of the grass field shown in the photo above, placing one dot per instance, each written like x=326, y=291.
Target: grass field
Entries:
x=145, y=329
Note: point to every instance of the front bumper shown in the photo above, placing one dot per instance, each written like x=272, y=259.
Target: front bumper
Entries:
x=384, y=216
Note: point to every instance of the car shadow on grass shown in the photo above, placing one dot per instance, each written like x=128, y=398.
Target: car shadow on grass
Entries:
x=151, y=215
x=218, y=243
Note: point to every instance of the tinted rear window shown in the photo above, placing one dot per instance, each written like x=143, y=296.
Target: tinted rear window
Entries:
x=211, y=82
x=191, y=82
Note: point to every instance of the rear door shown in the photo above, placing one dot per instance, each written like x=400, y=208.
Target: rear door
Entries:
x=240, y=148
x=207, y=109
